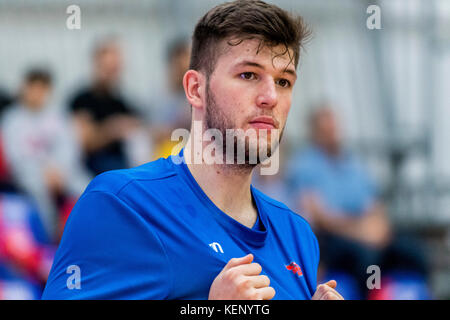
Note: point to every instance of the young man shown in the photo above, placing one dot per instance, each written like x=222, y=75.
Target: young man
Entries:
x=170, y=230
x=41, y=151
x=103, y=117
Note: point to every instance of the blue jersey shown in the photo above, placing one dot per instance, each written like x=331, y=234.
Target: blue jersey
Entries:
x=152, y=233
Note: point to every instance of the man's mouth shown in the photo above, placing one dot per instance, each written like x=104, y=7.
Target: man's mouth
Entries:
x=263, y=122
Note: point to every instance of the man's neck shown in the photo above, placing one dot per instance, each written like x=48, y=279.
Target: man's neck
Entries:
x=228, y=187
x=103, y=86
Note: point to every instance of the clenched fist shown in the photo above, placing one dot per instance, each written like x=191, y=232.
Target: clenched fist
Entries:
x=327, y=291
x=240, y=280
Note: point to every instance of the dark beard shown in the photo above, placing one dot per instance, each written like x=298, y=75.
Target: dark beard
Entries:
x=216, y=119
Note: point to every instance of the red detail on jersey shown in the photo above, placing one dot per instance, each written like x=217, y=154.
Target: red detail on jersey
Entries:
x=295, y=268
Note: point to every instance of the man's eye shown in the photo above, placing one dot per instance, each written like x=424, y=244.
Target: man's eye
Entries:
x=247, y=76
x=284, y=83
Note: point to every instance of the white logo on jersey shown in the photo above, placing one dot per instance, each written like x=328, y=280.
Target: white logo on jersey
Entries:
x=216, y=247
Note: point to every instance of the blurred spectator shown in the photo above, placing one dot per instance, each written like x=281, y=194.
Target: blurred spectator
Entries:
x=5, y=101
x=6, y=181
x=340, y=200
x=173, y=109
x=41, y=151
x=103, y=118
x=335, y=189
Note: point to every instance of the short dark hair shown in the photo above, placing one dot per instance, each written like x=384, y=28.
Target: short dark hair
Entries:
x=241, y=20
x=38, y=75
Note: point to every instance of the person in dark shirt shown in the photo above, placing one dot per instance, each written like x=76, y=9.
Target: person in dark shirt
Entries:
x=5, y=100
x=102, y=117
x=6, y=182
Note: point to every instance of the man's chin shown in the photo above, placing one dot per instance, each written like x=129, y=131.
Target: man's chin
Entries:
x=255, y=154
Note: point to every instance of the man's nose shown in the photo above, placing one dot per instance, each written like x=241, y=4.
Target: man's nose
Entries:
x=267, y=96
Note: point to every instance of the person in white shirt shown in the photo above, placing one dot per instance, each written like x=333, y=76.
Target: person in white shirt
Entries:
x=41, y=149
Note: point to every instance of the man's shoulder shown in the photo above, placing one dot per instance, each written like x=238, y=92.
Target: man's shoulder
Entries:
x=115, y=181
x=82, y=94
x=280, y=211
x=310, y=155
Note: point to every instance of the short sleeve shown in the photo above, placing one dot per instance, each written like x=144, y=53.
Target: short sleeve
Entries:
x=115, y=252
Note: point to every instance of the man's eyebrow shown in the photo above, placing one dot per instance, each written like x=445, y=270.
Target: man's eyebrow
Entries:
x=257, y=65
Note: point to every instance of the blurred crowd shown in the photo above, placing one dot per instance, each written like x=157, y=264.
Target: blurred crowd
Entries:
x=49, y=154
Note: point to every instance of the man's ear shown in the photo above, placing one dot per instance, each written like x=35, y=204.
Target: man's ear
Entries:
x=194, y=88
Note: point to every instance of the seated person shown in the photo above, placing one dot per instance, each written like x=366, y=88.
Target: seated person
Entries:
x=340, y=200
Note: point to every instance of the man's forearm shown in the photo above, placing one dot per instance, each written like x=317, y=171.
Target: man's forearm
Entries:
x=371, y=228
